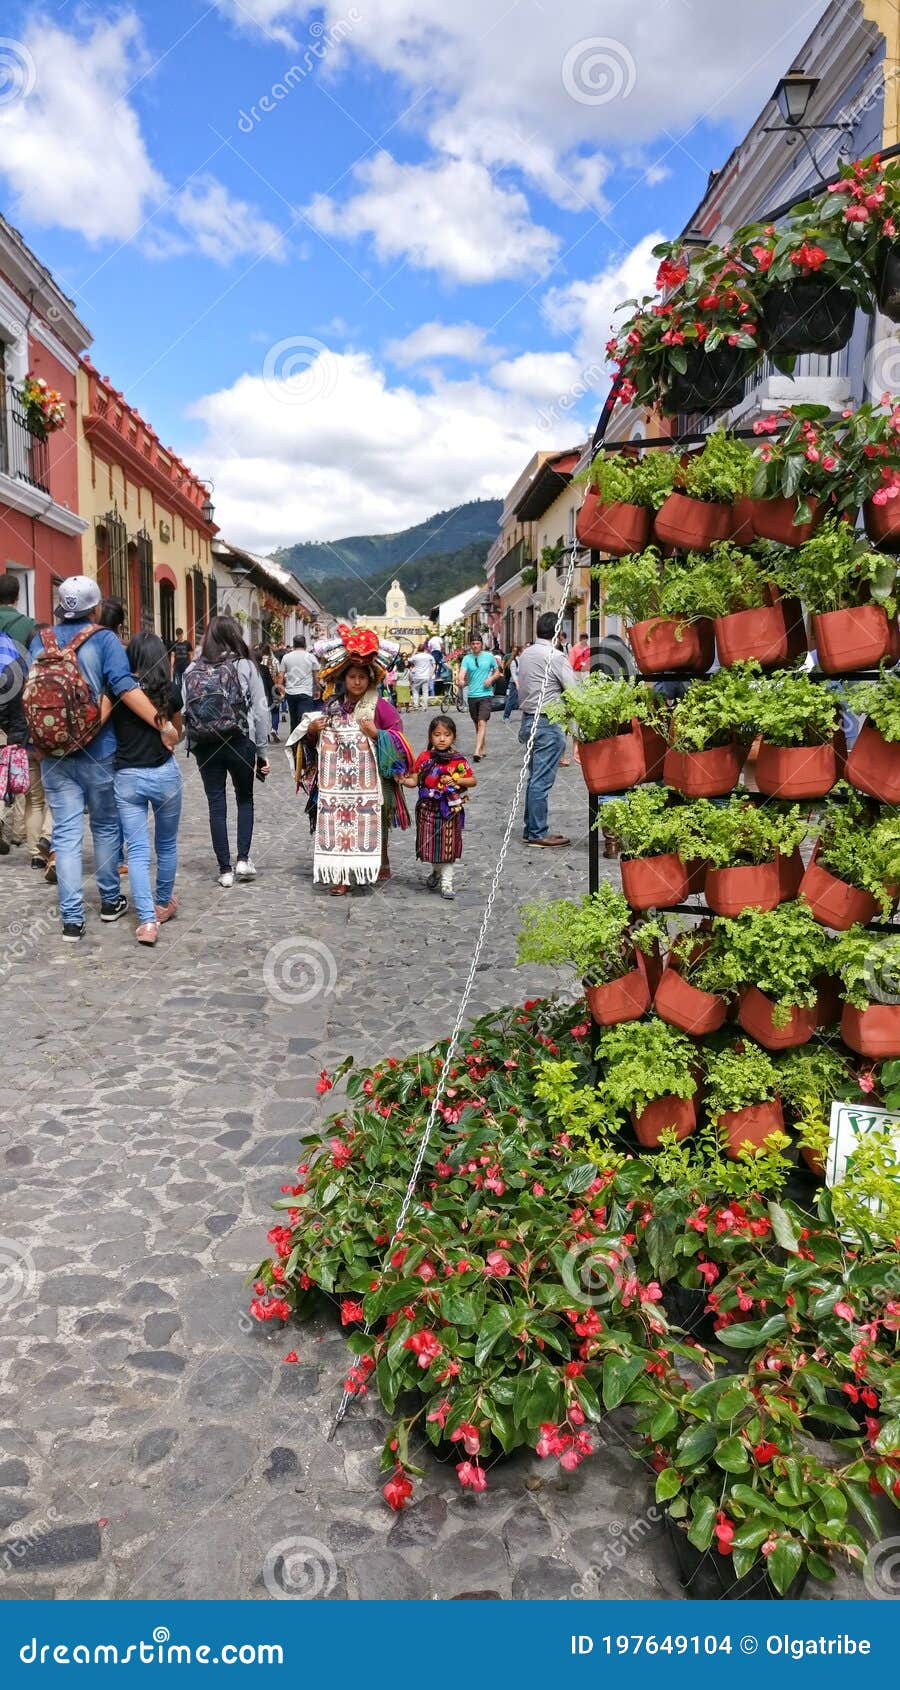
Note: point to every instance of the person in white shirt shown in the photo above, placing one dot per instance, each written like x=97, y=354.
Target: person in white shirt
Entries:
x=299, y=669
x=421, y=673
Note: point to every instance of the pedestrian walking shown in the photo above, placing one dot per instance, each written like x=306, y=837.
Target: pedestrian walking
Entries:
x=479, y=670
x=512, y=690
x=147, y=778
x=270, y=671
x=299, y=669
x=443, y=778
x=542, y=658
x=13, y=621
x=72, y=666
x=180, y=652
x=226, y=719
x=421, y=674
x=27, y=819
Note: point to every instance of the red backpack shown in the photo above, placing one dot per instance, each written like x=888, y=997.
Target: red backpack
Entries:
x=60, y=709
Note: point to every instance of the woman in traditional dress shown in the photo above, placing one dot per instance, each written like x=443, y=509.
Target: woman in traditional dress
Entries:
x=349, y=756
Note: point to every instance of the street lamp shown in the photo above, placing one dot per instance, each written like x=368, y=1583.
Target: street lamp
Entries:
x=792, y=97
x=208, y=509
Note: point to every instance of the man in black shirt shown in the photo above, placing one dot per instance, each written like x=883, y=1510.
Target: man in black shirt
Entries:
x=179, y=655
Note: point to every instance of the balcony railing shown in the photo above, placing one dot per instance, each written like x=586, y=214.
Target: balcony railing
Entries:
x=510, y=564
x=23, y=454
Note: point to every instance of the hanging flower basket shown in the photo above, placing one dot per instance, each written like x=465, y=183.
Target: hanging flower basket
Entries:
x=44, y=408
x=886, y=275
x=729, y=891
x=851, y=639
x=812, y=314
x=755, y=1012
x=661, y=643
x=625, y=760
x=617, y=529
x=685, y=1006
x=712, y=381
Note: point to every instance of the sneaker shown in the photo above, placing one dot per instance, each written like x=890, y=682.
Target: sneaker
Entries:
x=44, y=846
x=4, y=847
x=167, y=912
x=115, y=910
x=147, y=933
x=73, y=931
x=244, y=869
x=226, y=878
x=432, y=883
x=448, y=895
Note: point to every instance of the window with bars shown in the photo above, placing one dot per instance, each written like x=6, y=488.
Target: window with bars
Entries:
x=212, y=595
x=146, y=606
x=199, y=604
x=112, y=548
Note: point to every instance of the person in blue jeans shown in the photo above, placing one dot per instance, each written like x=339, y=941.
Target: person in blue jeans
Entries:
x=84, y=778
x=543, y=675
x=148, y=778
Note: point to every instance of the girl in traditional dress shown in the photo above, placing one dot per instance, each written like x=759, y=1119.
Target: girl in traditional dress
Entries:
x=349, y=755
x=443, y=778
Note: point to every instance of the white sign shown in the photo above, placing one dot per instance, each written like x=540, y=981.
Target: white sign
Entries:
x=849, y=1123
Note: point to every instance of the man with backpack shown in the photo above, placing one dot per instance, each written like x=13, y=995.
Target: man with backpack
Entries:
x=74, y=665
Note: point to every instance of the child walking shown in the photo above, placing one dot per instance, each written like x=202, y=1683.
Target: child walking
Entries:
x=443, y=778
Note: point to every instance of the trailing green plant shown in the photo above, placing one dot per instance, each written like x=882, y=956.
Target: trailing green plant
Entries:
x=651, y=820
x=860, y=846
x=591, y=936
x=721, y=471
x=552, y=555
x=743, y=832
x=837, y=570
x=791, y=710
x=718, y=582
x=716, y=711
x=633, y=587
x=736, y=1078
x=600, y=708
x=529, y=575
x=879, y=701
x=780, y=951
x=868, y=965
x=641, y=1061
x=618, y=478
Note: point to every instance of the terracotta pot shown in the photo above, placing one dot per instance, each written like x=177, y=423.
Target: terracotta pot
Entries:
x=685, y=1006
x=654, y=883
x=874, y=1031
x=883, y=524
x=812, y=314
x=773, y=519
x=692, y=524
x=704, y=774
x=813, y=1160
x=622, y=761
x=833, y=902
x=794, y=621
x=664, y=1112
x=873, y=765
x=617, y=529
x=746, y=887
x=790, y=873
x=657, y=646
x=851, y=639
x=624, y=999
x=796, y=771
x=755, y=1016
x=653, y=966
x=752, y=1125
x=743, y=532
x=752, y=633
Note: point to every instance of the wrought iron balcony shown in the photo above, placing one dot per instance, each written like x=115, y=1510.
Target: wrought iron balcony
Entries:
x=24, y=454
x=510, y=564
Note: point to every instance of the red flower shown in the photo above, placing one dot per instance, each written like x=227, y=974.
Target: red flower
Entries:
x=670, y=274
x=424, y=1346
x=764, y=1451
x=724, y=1530
x=763, y=256
x=397, y=1491
x=292, y=1356
x=350, y=1312
x=471, y=1475
x=324, y=1082
x=496, y=1266
x=440, y=1413
x=809, y=257
x=468, y=1436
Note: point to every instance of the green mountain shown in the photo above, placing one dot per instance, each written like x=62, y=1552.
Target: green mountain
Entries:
x=433, y=560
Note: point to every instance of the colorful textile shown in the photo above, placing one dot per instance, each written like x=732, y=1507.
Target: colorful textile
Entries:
x=351, y=782
x=440, y=816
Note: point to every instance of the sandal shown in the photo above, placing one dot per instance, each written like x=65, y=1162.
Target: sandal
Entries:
x=338, y=891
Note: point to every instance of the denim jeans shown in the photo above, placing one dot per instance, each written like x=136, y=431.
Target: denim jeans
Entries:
x=549, y=742
x=160, y=788
x=71, y=784
x=235, y=757
x=512, y=701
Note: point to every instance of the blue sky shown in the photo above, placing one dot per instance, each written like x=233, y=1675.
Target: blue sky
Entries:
x=357, y=262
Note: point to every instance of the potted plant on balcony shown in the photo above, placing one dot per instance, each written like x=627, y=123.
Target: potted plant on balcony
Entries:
x=623, y=493
x=743, y=842
x=809, y=280
x=658, y=838
x=694, y=985
x=863, y=208
x=593, y=937
x=855, y=867
x=851, y=592
x=43, y=408
x=619, y=726
x=798, y=722
x=742, y=1092
x=529, y=575
x=649, y=1071
x=868, y=966
x=733, y=588
x=689, y=351
x=700, y=510
x=798, y=475
x=873, y=765
x=775, y=959
x=638, y=589
x=709, y=733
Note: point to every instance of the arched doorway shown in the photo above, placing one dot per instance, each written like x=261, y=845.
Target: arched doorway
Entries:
x=167, y=611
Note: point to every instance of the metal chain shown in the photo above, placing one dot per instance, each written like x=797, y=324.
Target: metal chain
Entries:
x=440, y=1088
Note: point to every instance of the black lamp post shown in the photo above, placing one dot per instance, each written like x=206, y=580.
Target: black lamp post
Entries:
x=793, y=96
x=208, y=509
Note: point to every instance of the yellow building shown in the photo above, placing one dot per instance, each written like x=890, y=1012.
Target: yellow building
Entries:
x=150, y=517
x=401, y=622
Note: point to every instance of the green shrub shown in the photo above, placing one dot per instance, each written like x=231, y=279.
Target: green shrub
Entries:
x=743, y=832
x=735, y=1079
x=792, y=710
x=643, y=1060
x=861, y=847
x=836, y=570
x=879, y=701
x=721, y=471
x=718, y=582
x=599, y=708
x=716, y=711
x=869, y=967
x=781, y=951
x=591, y=936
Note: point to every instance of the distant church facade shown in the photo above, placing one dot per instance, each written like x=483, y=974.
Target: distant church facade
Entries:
x=401, y=621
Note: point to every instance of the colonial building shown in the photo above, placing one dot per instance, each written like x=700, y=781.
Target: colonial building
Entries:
x=150, y=518
x=401, y=621
x=268, y=601
x=526, y=567
x=40, y=335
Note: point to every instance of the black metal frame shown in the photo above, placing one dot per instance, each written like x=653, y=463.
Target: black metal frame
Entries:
x=146, y=596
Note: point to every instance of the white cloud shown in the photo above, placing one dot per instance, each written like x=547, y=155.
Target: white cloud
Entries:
x=450, y=216
x=433, y=341
x=222, y=227
x=537, y=375
x=585, y=309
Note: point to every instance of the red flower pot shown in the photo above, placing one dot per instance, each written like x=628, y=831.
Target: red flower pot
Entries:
x=654, y=883
x=617, y=529
x=873, y=765
x=883, y=524
x=657, y=646
x=743, y=532
x=773, y=519
x=759, y=634
x=752, y=1125
x=851, y=639
x=747, y=887
x=790, y=873
x=874, y=1031
x=685, y=1006
x=796, y=771
x=664, y=1112
x=755, y=1016
x=625, y=999
x=792, y=611
x=813, y=1160
x=833, y=902
x=704, y=774
x=692, y=524
x=624, y=760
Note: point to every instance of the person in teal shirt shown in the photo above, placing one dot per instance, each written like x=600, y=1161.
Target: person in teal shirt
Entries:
x=479, y=670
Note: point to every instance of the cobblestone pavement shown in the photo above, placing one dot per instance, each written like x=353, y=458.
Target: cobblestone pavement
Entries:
x=152, y=1442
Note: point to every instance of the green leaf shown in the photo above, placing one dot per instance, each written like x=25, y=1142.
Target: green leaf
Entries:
x=747, y=1334
x=668, y=1484
x=695, y=1445
x=783, y=1228
x=784, y=1564
x=703, y=1519
x=619, y=1374
x=494, y=1324
x=731, y=1455
x=819, y=1568
x=751, y=1534
x=888, y=1439
x=588, y=1398
x=664, y=1421
x=862, y=1502
x=463, y=1308
x=733, y=1401
x=579, y=1177
x=742, y=1560
x=387, y=1384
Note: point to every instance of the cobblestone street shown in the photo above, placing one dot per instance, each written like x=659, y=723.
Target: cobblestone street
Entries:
x=153, y=1442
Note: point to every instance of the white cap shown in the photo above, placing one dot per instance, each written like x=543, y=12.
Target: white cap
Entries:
x=77, y=595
